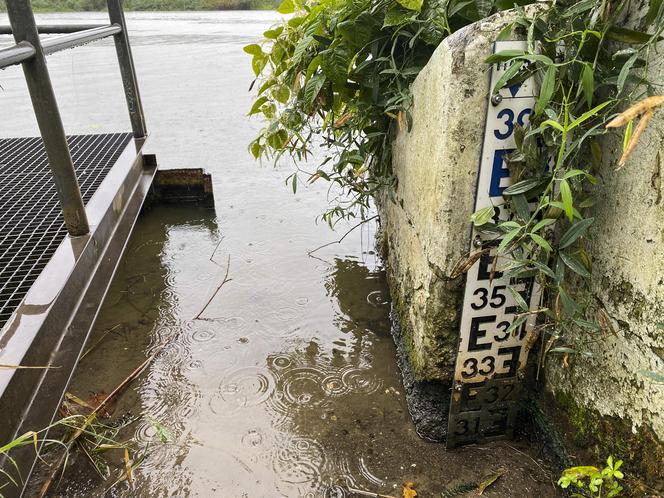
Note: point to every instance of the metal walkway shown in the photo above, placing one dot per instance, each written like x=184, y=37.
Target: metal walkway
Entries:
x=31, y=222
x=67, y=208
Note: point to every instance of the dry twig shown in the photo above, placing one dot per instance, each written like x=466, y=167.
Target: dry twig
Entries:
x=367, y=493
x=226, y=279
x=344, y=235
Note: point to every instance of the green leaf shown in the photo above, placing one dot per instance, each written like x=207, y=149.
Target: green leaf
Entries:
x=256, y=108
x=522, y=186
x=574, y=232
x=258, y=63
x=504, y=55
x=543, y=223
x=624, y=72
x=552, y=124
x=484, y=7
x=278, y=139
x=415, y=5
x=482, y=216
x=313, y=88
x=654, y=10
x=281, y=93
x=546, y=91
x=628, y=134
x=253, y=49
x=574, y=264
x=520, y=207
x=512, y=71
x=540, y=241
x=517, y=323
x=588, y=114
x=361, y=30
x=273, y=34
x=587, y=325
x=520, y=301
x=301, y=48
x=568, y=202
x=334, y=63
x=508, y=238
x=313, y=67
x=255, y=149
x=397, y=15
x=505, y=33
x=588, y=83
x=625, y=35
x=286, y=7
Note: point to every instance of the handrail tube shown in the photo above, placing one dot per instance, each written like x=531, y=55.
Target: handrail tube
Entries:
x=128, y=71
x=58, y=43
x=16, y=54
x=53, y=29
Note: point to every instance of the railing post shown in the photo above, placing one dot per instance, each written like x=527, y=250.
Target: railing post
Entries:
x=127, y=69
x=48, y=118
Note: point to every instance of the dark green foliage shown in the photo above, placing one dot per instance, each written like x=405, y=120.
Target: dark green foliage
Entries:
x=589, y=67
x=336, y=76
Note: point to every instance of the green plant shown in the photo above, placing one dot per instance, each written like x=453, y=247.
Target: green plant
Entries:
x=96, y=439
x=589, y=67
x=592, y=482
x=336, y=75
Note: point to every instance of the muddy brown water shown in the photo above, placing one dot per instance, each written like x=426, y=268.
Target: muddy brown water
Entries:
x=289, y=385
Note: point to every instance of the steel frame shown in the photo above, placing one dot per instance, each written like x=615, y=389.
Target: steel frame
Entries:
x=30, y=51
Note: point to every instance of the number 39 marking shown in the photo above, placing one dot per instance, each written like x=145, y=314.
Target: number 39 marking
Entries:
x=508, y=115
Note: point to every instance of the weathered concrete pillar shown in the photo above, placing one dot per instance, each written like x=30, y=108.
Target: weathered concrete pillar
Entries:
x=427, y=228
x=609, y=402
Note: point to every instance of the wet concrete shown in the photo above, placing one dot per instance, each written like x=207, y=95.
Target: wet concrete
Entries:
x=289, y=384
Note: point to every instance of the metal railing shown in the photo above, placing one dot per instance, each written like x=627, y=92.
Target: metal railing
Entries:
x=30, y=51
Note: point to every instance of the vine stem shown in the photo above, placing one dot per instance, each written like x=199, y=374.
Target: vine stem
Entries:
x=343, y=236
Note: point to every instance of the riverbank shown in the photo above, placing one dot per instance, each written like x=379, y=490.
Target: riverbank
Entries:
x=151, y=5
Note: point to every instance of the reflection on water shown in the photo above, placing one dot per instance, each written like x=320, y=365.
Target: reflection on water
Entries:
x=288, y=386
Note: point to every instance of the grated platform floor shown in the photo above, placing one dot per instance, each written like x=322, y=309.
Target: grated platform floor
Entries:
x=31, y=224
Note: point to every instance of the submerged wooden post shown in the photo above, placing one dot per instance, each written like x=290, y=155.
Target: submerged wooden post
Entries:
x=127, y=70
x=48, y=118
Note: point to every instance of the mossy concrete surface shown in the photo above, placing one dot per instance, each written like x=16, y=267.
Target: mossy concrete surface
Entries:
x=425, y=221
x=426, y=230
x=609, y=394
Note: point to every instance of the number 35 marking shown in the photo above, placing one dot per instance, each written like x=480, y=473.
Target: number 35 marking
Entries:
x=508, y=115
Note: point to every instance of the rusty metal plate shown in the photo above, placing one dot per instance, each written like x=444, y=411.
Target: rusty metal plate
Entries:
x=485, y=397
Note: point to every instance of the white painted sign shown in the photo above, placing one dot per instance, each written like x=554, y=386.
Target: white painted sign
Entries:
x=485, y=395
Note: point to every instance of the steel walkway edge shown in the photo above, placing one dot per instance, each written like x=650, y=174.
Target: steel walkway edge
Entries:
x=50, y=326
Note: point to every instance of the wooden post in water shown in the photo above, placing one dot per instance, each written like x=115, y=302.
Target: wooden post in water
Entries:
x=48, y=118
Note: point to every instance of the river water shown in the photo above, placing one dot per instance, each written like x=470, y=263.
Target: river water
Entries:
x=288, y=386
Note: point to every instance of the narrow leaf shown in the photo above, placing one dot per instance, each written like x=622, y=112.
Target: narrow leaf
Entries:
x=574, y=264
x=568, y=202
x=574, y=232
x=546, y=91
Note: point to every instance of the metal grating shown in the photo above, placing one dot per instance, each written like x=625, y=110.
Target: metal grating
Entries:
x=31, y=223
